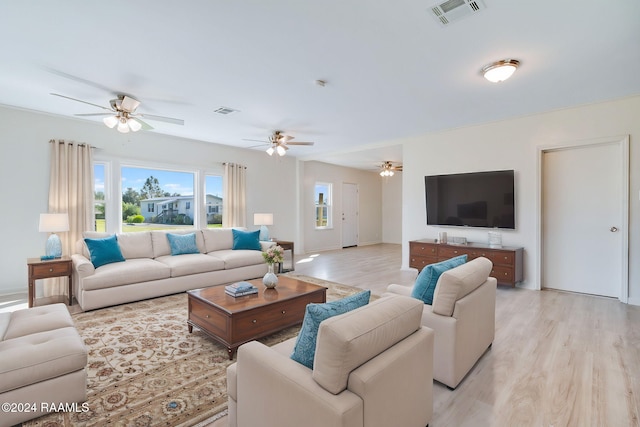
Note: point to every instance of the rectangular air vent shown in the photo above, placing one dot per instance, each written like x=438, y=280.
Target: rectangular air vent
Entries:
x=225, y=110
x=453, y=10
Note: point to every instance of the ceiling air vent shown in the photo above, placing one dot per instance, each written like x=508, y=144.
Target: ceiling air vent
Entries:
x=454, y=10
x=225, y=110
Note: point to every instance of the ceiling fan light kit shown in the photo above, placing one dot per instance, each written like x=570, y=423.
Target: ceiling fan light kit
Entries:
x=500, y=71
x=388, y=168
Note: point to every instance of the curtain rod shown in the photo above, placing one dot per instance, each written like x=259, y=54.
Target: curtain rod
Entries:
x=79, y=144
x=233, y=164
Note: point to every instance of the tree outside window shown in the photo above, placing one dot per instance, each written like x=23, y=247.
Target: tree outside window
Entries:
x=323, y=205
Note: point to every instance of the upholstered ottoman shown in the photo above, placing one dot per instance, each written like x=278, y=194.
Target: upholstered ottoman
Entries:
x=42, y=360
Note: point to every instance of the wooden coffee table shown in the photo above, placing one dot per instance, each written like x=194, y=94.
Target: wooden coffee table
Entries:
x=235, y=321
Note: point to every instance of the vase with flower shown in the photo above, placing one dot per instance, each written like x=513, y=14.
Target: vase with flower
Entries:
x=273, y=255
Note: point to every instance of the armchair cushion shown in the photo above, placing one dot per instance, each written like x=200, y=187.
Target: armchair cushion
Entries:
x=427, y=280
x=459, y=282
x=348, y=341
x=305, y=347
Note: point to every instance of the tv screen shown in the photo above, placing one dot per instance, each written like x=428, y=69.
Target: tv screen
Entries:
x=478, y=199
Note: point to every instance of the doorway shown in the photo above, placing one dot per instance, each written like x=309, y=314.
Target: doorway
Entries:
x=349, y=215
x=584, y=220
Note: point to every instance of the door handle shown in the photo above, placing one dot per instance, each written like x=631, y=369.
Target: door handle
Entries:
x=613, y=229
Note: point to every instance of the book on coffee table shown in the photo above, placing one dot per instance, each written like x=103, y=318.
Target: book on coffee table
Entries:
x=240, y=288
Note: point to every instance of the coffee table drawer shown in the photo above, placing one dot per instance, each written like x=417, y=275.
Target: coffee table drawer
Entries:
x=206, y=317
x=274, y=317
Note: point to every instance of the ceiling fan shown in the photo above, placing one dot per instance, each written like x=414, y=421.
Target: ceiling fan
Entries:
x=122, y=113
x=279, y=143
x=387, y=169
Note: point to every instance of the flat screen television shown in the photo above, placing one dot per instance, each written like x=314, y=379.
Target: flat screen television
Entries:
x=477, y=199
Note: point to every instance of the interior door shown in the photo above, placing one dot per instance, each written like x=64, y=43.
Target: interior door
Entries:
x=349, y=215
x=582, y=219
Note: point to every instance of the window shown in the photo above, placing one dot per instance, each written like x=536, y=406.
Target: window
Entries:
x=323, y=205
x=213, y=200
x=99, y=203
x=156, y=199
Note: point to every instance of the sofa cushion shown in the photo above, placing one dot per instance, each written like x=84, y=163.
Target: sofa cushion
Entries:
x=182, y=244
x=246, y=240
x=136, y=244
x=124, y=273
x=5, y=318
x=38, y=357
x=216, y=239
x=459, y=282
x=238, y=258
x=428, y=278
x=104, y=251
x=38, y=319
x=305, y=347
x=187, y=264
x=161, y=245
x=347, y=341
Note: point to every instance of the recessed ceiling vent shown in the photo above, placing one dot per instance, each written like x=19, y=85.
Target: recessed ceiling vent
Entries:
x=225, y=110
x=454, y=10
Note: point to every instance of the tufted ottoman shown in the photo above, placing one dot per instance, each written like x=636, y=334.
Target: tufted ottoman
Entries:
x=42, y=363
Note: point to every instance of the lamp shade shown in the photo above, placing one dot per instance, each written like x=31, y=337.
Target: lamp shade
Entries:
x=262, y=219
x=53, y=222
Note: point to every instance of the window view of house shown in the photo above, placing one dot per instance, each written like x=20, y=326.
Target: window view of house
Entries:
x=156, y=199
x=323, y=204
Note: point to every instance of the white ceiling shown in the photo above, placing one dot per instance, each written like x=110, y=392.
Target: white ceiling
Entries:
x=392, y=71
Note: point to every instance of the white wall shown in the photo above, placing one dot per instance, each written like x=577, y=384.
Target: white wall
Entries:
x=369, y=206
x=514, y=144
x=392, y=208
x=24, y=173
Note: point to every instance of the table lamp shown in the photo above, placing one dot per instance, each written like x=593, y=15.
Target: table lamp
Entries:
x=263, y=219
x=52, y=223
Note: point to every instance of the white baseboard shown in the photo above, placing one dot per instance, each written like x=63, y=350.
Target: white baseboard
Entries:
x=633, y=301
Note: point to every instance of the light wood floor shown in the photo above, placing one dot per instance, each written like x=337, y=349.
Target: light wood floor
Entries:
x=558, y=359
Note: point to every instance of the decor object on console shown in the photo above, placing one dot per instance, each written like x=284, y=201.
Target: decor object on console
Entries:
x=361, y=355
x=462, y=316
x=273, y=255
x=495, y=239
x=52, y=223
x=263, y=219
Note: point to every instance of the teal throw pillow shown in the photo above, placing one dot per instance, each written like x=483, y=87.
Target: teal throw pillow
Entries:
x=427, y=280
x=304, y=350
x=183, y=243
x=104, y=251
x=246, y=240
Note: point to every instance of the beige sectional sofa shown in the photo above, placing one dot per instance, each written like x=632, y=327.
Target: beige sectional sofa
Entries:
x=149, y=269
x=42, y=363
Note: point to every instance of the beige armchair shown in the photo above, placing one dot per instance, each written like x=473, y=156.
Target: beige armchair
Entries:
x=462, y=317
x=373, y=367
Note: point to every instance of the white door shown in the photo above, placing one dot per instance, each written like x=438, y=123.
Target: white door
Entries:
x=582, y=219
x=349, y=215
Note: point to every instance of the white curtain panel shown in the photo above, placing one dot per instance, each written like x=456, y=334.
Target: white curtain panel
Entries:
x=71, y=188
x=234, y=205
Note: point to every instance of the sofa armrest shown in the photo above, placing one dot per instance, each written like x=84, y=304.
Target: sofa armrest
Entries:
x=266, y=245
x=82, y=265
x=400, y=290
x=273, y=391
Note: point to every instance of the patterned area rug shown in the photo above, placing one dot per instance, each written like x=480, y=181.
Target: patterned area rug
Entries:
x=145, y=369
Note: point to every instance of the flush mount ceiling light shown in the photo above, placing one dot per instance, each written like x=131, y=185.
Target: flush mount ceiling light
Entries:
x=501, y=70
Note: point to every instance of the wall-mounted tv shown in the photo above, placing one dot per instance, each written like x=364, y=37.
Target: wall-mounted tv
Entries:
x=477, y=199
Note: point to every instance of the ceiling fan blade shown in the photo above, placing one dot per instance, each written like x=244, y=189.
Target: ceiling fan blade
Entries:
x=129, y=104
x=256, y=140
x=94, y=114
x=162, y=119
x=286, y=138
x=300, y=143
x=79, y=100
x=145, y=126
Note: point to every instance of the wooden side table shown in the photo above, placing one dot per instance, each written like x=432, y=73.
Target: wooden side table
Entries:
x=287, y=246
x=46, y=269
